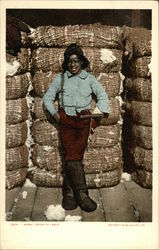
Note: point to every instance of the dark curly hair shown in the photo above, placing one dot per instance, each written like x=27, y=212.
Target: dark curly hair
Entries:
x=72, y=49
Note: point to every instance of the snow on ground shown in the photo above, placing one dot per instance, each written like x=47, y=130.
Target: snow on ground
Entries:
x=24, y=194
x=125, y=177
x=57, y=213
x=27, y=219
x=73, y=218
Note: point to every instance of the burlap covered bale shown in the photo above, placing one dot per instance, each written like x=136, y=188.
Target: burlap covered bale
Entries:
x=16, y=134
x=40, y=111
x=48, y=59
x=143, y=178
x=105, y=136
x=17, y=86
x=47, y=157
x=17, y=157
x=139, y=88
x=16, y=111
x=141, y=67
x=39, y=108
x=23, y=58
x=101, y=60
x=110, y=82
x=42, y=81
x=142, y=135
x=44, y=178
x=91, y=35
x=137, y=41
x=107, y=179
x=142, y=158
x=114, y=114
x=15, y=177
x=140, y=112
x=102, y=160
x=95, y=160
x=45, y=133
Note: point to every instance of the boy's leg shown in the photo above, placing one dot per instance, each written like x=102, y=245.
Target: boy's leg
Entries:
x=68, y=201
x=76, y=176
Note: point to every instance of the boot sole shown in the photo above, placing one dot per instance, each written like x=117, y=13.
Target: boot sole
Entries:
x=88, y=210
x=69, y=208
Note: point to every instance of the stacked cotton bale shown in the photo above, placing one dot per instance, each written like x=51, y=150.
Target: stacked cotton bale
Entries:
x=18, y=82
x=102, y=46
x=139, y=103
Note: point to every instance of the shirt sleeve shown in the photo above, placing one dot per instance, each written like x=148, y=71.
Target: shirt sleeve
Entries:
x=50, y=95
x=101, y=95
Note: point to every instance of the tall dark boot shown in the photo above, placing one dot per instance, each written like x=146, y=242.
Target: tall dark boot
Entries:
x=76, y=176
x=68, y=202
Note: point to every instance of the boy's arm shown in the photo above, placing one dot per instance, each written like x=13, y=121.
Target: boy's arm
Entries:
x=50, y=95
x=102, y=97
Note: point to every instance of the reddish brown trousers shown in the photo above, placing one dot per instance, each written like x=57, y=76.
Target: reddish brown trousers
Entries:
x=74, y=135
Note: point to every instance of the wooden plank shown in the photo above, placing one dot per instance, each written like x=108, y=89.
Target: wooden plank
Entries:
x=11, y=195
x=23, y=208
x=96, y=215
x=75, y=212
x=116, y=204
x=44, y=198
x=141, y=199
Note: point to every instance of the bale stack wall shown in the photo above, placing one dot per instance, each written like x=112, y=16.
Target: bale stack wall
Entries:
x=138, y=104
x=102, y=46
x=18, y=81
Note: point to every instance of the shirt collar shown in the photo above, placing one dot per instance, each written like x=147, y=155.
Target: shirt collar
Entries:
x=83, y=74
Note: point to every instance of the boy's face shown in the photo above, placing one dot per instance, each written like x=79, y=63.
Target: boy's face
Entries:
x=74, y=64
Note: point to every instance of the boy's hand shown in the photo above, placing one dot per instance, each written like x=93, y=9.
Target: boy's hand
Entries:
x=106, y=115
x=57, y=117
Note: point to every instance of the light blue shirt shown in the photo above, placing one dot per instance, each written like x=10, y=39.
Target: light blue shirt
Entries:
x=77, y=93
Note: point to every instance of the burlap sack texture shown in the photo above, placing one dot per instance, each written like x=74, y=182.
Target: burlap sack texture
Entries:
x=140, y=89
x=141, y=112
x=17, y=86
x=47, y=57
x=17, y=157
x=138, y=105
x=49, y=44
x=17, y=113
x=92, y=35
x=137, y=41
